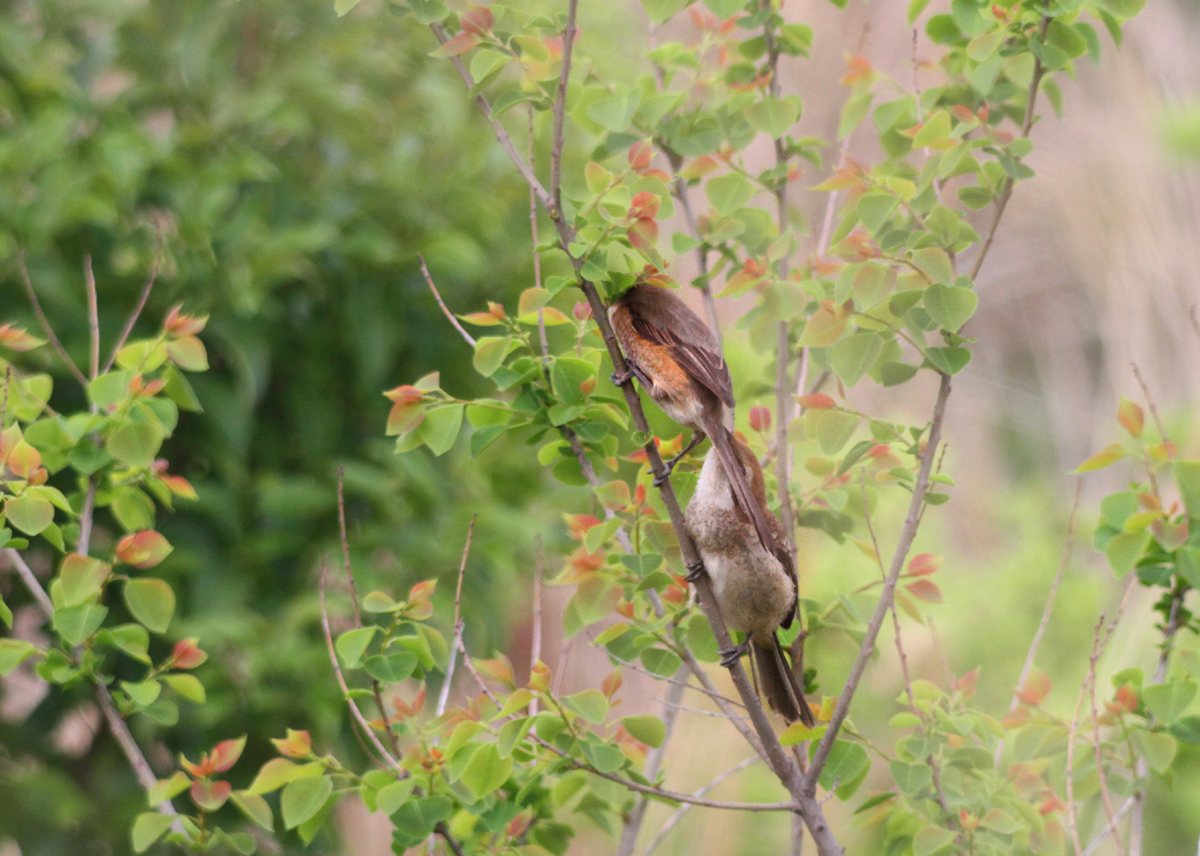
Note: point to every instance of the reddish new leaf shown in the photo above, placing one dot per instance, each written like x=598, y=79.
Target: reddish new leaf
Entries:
x=477, y=20
x=455, y=46
x=923, y=564
x=1036, y=688
x=1131, y=417
x=210, y=796
x=816, y=401
x=143, y=549
x=760, y=418
x=640, y=155
x=226, y=753
x=187, y=654
x=926, y=590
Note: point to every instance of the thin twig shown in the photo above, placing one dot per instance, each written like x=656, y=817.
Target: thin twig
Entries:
x=535, y=646
x=889, y=588
x=560, y=109
x=93, y=317
x=112, y=717
x=357, y=714
x=1031, y=657
x=1162, y=432
x=438, y=297
x=682, y=811
x=1006, y=193
x=1097, y=647
x=46, y=328
x=141, y=304
x=654, y=759
x=533, y=234
x=1099, y=839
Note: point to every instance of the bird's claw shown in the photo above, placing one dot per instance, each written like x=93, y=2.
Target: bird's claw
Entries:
x=695, y=571
x=732, y=655
x=668, y=466
x=621, y=378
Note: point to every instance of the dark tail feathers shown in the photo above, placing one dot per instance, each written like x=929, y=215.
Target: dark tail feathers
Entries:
x=778, y=685
x=723, y=446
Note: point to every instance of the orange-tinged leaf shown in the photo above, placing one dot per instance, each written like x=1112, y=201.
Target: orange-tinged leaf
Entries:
x=1036, y=688
x=24, y=459
x=1131, y=417
x=1171, y=536
x=405, y=394
x=1127, y=698
x=816, y=401
x=422, y=591
x=611, y=683
x=405, y=418
x=477, y=20
x=210, y=796
x=1100, y=460
x=923, y=564
x=640, y=154
x=178, y=324
x=645, y=204
x=143, y=549
x=16, y=339
x=498, y=670
x=643, y=234
x=760, y=418
x=539, y=677
x=179, y=486
x=966, y=684
x=699, y=168
x=926, y=590
x=187, y=654
x=579, y=524
x=226, y=753
x=455, y=45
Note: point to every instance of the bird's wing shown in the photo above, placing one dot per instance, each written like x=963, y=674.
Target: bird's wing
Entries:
x=704, y=363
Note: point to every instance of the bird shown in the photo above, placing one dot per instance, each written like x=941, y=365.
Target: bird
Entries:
x=755, y=587
x=679, y=361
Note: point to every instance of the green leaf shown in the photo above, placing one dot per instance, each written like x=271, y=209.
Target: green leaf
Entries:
x=1124, y=550
x=834, y=429
x=1158, y=748
x=151, y=601
x=1186, y=729
x=911, y=778
x=136, y=444
x=142, y=694
x=391, y=668
x=846, y=768
x=1187, y=477
x=773, y=116
x=915, y=8
x=81, y=578
x=1187, y=563
x=142, y=357
x=14, y=652
x=649, y=729
x=490, y=352
x=590, y=704
x=948, y=360
x=1168, y=701
x=132, y=508
x=255, y=808
x=28, y=513
x=108, y=390
x=76, y=623
x=616, y=112
x=353, y=643
x=486, y=771
x=934, y=262
x=950, y=305
x=392, y=797
x=148, y=828
x=729, y=193
x=853, y=355
x=188, y=686
x=303, y=798
x=179, y=389
x=874, y=210
x=567, y=376
x=660, y=11
x=440, y=428
x=931, y=840
x=661, y=661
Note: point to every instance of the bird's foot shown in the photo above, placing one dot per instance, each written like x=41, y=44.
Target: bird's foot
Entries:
x=695, y=571
x=668, y=466
x=621, y=378
x=732, y=655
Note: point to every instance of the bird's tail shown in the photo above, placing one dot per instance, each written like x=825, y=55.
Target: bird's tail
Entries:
x=778, y=685
x=723, y=446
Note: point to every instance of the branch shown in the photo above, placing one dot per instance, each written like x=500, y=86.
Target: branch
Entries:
x=141, y=304
x=93, y=318
x=686, y=807
x=1039, y=71
x=46, y=328
x=438, y=297
x=116, y=723
x=889, y=589
x=560, y=105
x=502, y=136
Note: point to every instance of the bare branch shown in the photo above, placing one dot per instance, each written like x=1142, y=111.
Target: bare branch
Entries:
x=1006, y=193
x=46, y=328
x=535, y=646
x=1162, y=432
x=889, y=589
x=93, y=318
x=141, y=304
x=357, y=714
x=502, y=135
x=533, y=234
x=560, y=107
x=1097, y=648
x=112, y=717
x=682, y=811
x=438, y=297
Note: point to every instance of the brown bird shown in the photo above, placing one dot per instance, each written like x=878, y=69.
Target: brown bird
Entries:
x=679, y=362
x=755, y=588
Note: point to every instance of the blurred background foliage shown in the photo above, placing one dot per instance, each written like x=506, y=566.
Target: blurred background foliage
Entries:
x=296, y=163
